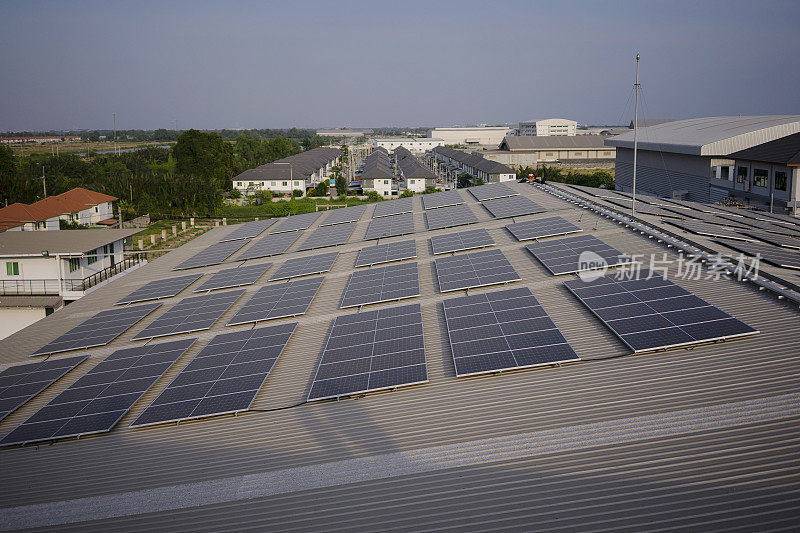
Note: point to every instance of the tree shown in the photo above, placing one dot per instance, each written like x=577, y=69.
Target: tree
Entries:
x=341, y=186
x=206, y=155
x=321, y=189
x=8, y=171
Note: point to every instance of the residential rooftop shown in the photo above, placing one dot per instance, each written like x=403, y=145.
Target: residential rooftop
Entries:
x=64, y=242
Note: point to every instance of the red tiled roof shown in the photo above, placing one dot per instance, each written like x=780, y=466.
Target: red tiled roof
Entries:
x=71, y=201
x=18, y=214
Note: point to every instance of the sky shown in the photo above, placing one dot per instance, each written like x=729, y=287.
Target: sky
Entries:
x=307, y=64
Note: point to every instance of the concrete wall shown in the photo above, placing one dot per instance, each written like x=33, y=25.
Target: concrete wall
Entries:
x=13, y=319
x=481, y=136
x=663, y=173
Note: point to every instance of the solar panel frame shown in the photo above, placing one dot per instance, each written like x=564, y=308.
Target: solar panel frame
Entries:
x=491, y=191
x=390, y=226
x=196, y=313
x=98, y=400
x=774, y=255
x=448, y=217
x=463, y=240
x=390, y=208
x=21, y=383
x=305, y=266
x=543, y=227
x=475, y=269
x=386, y=253
x=159, y=289
x=562, y=256
x=249, y=230
x=327, y=236
x=234, y=277
x=255, y=350
x=295, y=223
x=512, y=206
x=777, y=239
x=278, y=300
x=212, y=255
x=655, y=314
x=270, y=245
x=530, y=337
x=119, y=320
x=344, y=216
x=442, y=199
x=391, y=341
x=710, y=230
x=381, y=284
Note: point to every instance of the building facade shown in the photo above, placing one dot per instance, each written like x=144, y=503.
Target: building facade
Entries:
x=416, y=145
x=579, y=150
x=458, y=162
x=479, y=136
x=548, y=127
x=297, y=172
x=415, y=176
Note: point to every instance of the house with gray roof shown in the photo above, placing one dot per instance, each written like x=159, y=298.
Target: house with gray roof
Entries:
x=296, y=172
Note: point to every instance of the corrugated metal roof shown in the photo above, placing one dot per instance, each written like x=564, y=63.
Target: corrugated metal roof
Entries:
x=22, y=243
x=554, y=142
x=785, y=150
x=694, y=439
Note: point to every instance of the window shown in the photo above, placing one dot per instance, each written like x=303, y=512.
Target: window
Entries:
x=91, y=258
x=285, y=183
x=74, y=263
x=741, y=174
x=725, y=173
x=385, y=193
x=760, y=177
x=12, y=268
x=780, y=180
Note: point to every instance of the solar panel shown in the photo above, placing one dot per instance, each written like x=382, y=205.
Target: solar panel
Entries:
x=278, y=300
x=327, y=236
x=393, y=207
x=513, y=206
x=491, y=191
x=442, y=199
x=390, y=226
x=543, y=227
x=464, y=240
x=576, y=254
x=234, y=277
x=160, y=288
x=20, y=383
x=447, y=217
x=372, y=351
x=303, y=266
x=655, y=314
x=294, y=223
x=248, y=230
x=774, y=255
x=191, y=314
x=642, y=208
x=502, y=330
x=100, y=398
x=386, y=253
x=787, y=241
x=270, y=245
x=223, y=378
x=213, y=255
x=344, y=216
x=381, y=284
x=476, y=269
x=99, y=330
x=709, y=230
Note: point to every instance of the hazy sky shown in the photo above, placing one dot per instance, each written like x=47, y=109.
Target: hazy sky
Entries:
x=341, y=63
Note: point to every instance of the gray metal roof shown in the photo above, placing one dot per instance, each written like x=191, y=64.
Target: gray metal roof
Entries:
x=298, y=166
x=555, y=142
x=785, y=150
x=25, y=243
x=410, y=165
x=687, y=439
x=474, y=161
x=711, y=136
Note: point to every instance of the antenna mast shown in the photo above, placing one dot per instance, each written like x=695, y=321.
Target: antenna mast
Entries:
x=635, y=132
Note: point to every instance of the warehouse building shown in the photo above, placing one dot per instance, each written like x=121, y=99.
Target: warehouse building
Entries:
x=579, y=150
x=296, y=172
x=416, y=145
x=548, y=127
x=694, y=160
x=478, y=136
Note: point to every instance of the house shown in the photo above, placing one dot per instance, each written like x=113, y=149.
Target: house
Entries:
x=458, y=162
x=296, y=172
x=378, y=174
x=76, y=206
x=416, y=176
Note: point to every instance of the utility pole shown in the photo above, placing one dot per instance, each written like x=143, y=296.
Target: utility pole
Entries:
x=635, y=134
x=119, y=216
x=44, y=182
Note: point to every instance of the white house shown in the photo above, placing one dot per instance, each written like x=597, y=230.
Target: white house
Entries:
x=378, y=174
x=416, y=176
x=297, y=172
x=77, y=206
x=484, y=169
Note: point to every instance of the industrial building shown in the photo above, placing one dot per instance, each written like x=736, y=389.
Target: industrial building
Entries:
x=579, y=150
x=416, y=145
x=296, y=172
x=344, y=132
x=458, y=162
x=478, y=136
x=416, y=176
x=695, y=159
x=548, y=127
x=701, y=436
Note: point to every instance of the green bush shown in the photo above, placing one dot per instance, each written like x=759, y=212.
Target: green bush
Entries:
x=267, y=195
x=235, y=194
x=407, y=193
x=297, y=193
x=322, y=188
x=431, y=189
x=373, y=196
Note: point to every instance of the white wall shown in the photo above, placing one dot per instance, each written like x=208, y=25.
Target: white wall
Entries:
x=481, y=136
x=416, y=184
x=276, y=186
x=13, y=319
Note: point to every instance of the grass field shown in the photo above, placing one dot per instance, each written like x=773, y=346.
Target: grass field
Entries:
x=79, y=147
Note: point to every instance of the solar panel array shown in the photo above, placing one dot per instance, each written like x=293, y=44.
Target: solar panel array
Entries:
x=99, y=330
x=442, y=199
x=786, y=241
x=100, y=398
x=248, y=230
x=491, y=191
x=464, y=240
x=223, y=378
x=709, y=230
x=303, y=266
x=476, y=269
x=543, y=227
x=213, y=255
x=270, y=245
x=343, y=216
x=386, y=253
x=774, y=255
x=160, y=288
x=381, y=284
x=295, y=223
x=327, y=236
x=278, y=300
x=191, y=314
x=503, y=330
x=566, y=256
x=393, y=207
x=513, y=206
x=390, y=226
x=446, y=217
x=371, y=351
x=20, y=383
x=655, y=314
x=234, y=277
